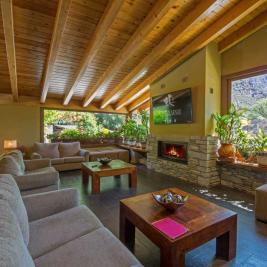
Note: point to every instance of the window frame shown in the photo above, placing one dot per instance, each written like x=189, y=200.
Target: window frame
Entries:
x=226, y=93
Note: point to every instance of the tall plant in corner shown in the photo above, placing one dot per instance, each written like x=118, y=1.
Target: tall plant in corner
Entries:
x=228, y=128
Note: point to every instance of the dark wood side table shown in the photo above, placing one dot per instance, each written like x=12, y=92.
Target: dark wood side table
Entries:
x=114, y=168
x=204, y=220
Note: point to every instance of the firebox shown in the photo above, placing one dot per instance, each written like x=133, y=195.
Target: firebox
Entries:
x=175, y=151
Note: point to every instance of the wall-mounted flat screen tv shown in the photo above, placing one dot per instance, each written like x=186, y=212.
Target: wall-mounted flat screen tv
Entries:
x=173, y=108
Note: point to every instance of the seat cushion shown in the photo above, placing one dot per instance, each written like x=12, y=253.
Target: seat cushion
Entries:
x=9, y=191
x=73, y=159
x=98, y=248
x=17, y=155
x=51, y=232
x=56, y=161
x=13, y=251
x=46, y=150
x=8, y=164
x=69, y=149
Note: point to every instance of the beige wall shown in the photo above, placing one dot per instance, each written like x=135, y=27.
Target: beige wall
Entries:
x=19, y=122
x=202, y=73
x=250, y=53
x=212, y=86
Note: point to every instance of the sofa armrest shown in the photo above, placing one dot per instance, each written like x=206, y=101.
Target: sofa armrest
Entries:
x=84, y=153
x=46, y=204
x=34, y=164
x=35, y=155
x=37, y=180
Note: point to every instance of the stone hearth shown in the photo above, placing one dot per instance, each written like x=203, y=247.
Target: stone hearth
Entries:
x=201, y=168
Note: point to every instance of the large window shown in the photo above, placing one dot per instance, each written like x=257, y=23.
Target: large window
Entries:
x=251, y=94
x=77, y=124
x=248, y=90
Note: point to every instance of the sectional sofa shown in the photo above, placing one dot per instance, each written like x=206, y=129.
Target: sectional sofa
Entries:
x=52, y=229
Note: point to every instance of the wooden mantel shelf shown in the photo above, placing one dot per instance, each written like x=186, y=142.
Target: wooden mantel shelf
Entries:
x=243, y=165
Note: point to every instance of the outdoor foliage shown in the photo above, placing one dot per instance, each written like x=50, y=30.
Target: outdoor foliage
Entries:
x=81, y=125
x=229, y=129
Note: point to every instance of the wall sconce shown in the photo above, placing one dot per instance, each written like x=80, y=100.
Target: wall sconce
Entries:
x=10, y=144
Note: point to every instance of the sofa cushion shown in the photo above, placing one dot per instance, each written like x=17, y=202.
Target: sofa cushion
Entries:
x=18, y=156
x=98, y=248
x=13, y=251
x=46, y=150
x=56, y=161
x=37, y=178
x=9, y=191
x=69, y=149
x=9, y=165
x=53, y=231
x=73, y=159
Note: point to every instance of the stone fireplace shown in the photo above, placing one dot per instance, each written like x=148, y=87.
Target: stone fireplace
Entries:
x=174, y=151
x=192, y=159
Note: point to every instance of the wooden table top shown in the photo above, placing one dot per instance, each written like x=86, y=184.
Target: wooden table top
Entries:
x=197, y=214
x=116, y=164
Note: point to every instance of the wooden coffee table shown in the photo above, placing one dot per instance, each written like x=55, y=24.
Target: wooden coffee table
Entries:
x=114, y=168
x=204, y=220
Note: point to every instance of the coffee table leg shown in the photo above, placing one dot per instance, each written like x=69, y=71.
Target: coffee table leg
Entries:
x=95, y=184
x=133, y=178
x=171, y=257
x=226, y=244
x=127, y=231
x=85, y=177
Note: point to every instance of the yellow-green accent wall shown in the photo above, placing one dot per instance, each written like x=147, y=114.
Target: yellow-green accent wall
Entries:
x=202, y=74
x=19, y=122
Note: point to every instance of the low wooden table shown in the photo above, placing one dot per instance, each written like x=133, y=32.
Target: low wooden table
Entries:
x=115, y=168
x=204, y=220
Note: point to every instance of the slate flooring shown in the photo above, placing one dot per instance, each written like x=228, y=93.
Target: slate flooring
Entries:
x=252, y=234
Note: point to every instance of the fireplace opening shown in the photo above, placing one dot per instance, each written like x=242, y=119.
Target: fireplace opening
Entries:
x=173, y=151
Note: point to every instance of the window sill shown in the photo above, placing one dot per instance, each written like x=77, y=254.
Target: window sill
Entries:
x=243, y=165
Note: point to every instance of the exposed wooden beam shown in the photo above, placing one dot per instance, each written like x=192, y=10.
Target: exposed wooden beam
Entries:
x=227, y=20
x=243, y=32
x=139, y=101
x=204, y=7
x=95, y=44
x=145, y=106
x=8, y=26
x=158, y=11
x=59, y=25
x=57, y=104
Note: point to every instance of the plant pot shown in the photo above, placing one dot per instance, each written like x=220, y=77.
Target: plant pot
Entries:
x=239, y=156
x=227, y=152
x=262, y=159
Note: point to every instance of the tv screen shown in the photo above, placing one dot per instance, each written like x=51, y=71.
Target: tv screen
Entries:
x=173, y=108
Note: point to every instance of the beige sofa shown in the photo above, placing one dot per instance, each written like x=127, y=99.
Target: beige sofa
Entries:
x=32, y=176
x=112, y=152
x=51, y=229
x=64, y=156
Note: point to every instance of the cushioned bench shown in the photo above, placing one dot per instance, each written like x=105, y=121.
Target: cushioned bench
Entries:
x=112, y=152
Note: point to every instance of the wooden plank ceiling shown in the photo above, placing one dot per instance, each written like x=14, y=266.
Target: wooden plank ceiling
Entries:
x=107, y=53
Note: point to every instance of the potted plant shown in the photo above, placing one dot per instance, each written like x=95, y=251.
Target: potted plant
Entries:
x=228, y=127
x=260, y=148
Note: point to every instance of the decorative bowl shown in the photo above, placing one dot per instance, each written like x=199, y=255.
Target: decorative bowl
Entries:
x=104, y=161
x=170, y=200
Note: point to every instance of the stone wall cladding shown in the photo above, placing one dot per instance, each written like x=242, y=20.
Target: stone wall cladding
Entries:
x=201, y=168
x=243, y=179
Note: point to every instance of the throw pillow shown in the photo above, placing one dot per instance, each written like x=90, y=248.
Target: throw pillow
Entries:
x=46, y=150
x=69, y=149
x=10, y=166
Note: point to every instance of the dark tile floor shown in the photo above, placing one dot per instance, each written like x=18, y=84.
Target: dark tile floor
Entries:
x=252, y=235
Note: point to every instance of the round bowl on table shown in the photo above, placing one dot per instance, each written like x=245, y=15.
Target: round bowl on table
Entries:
x=170, y=201
x=104, y=161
